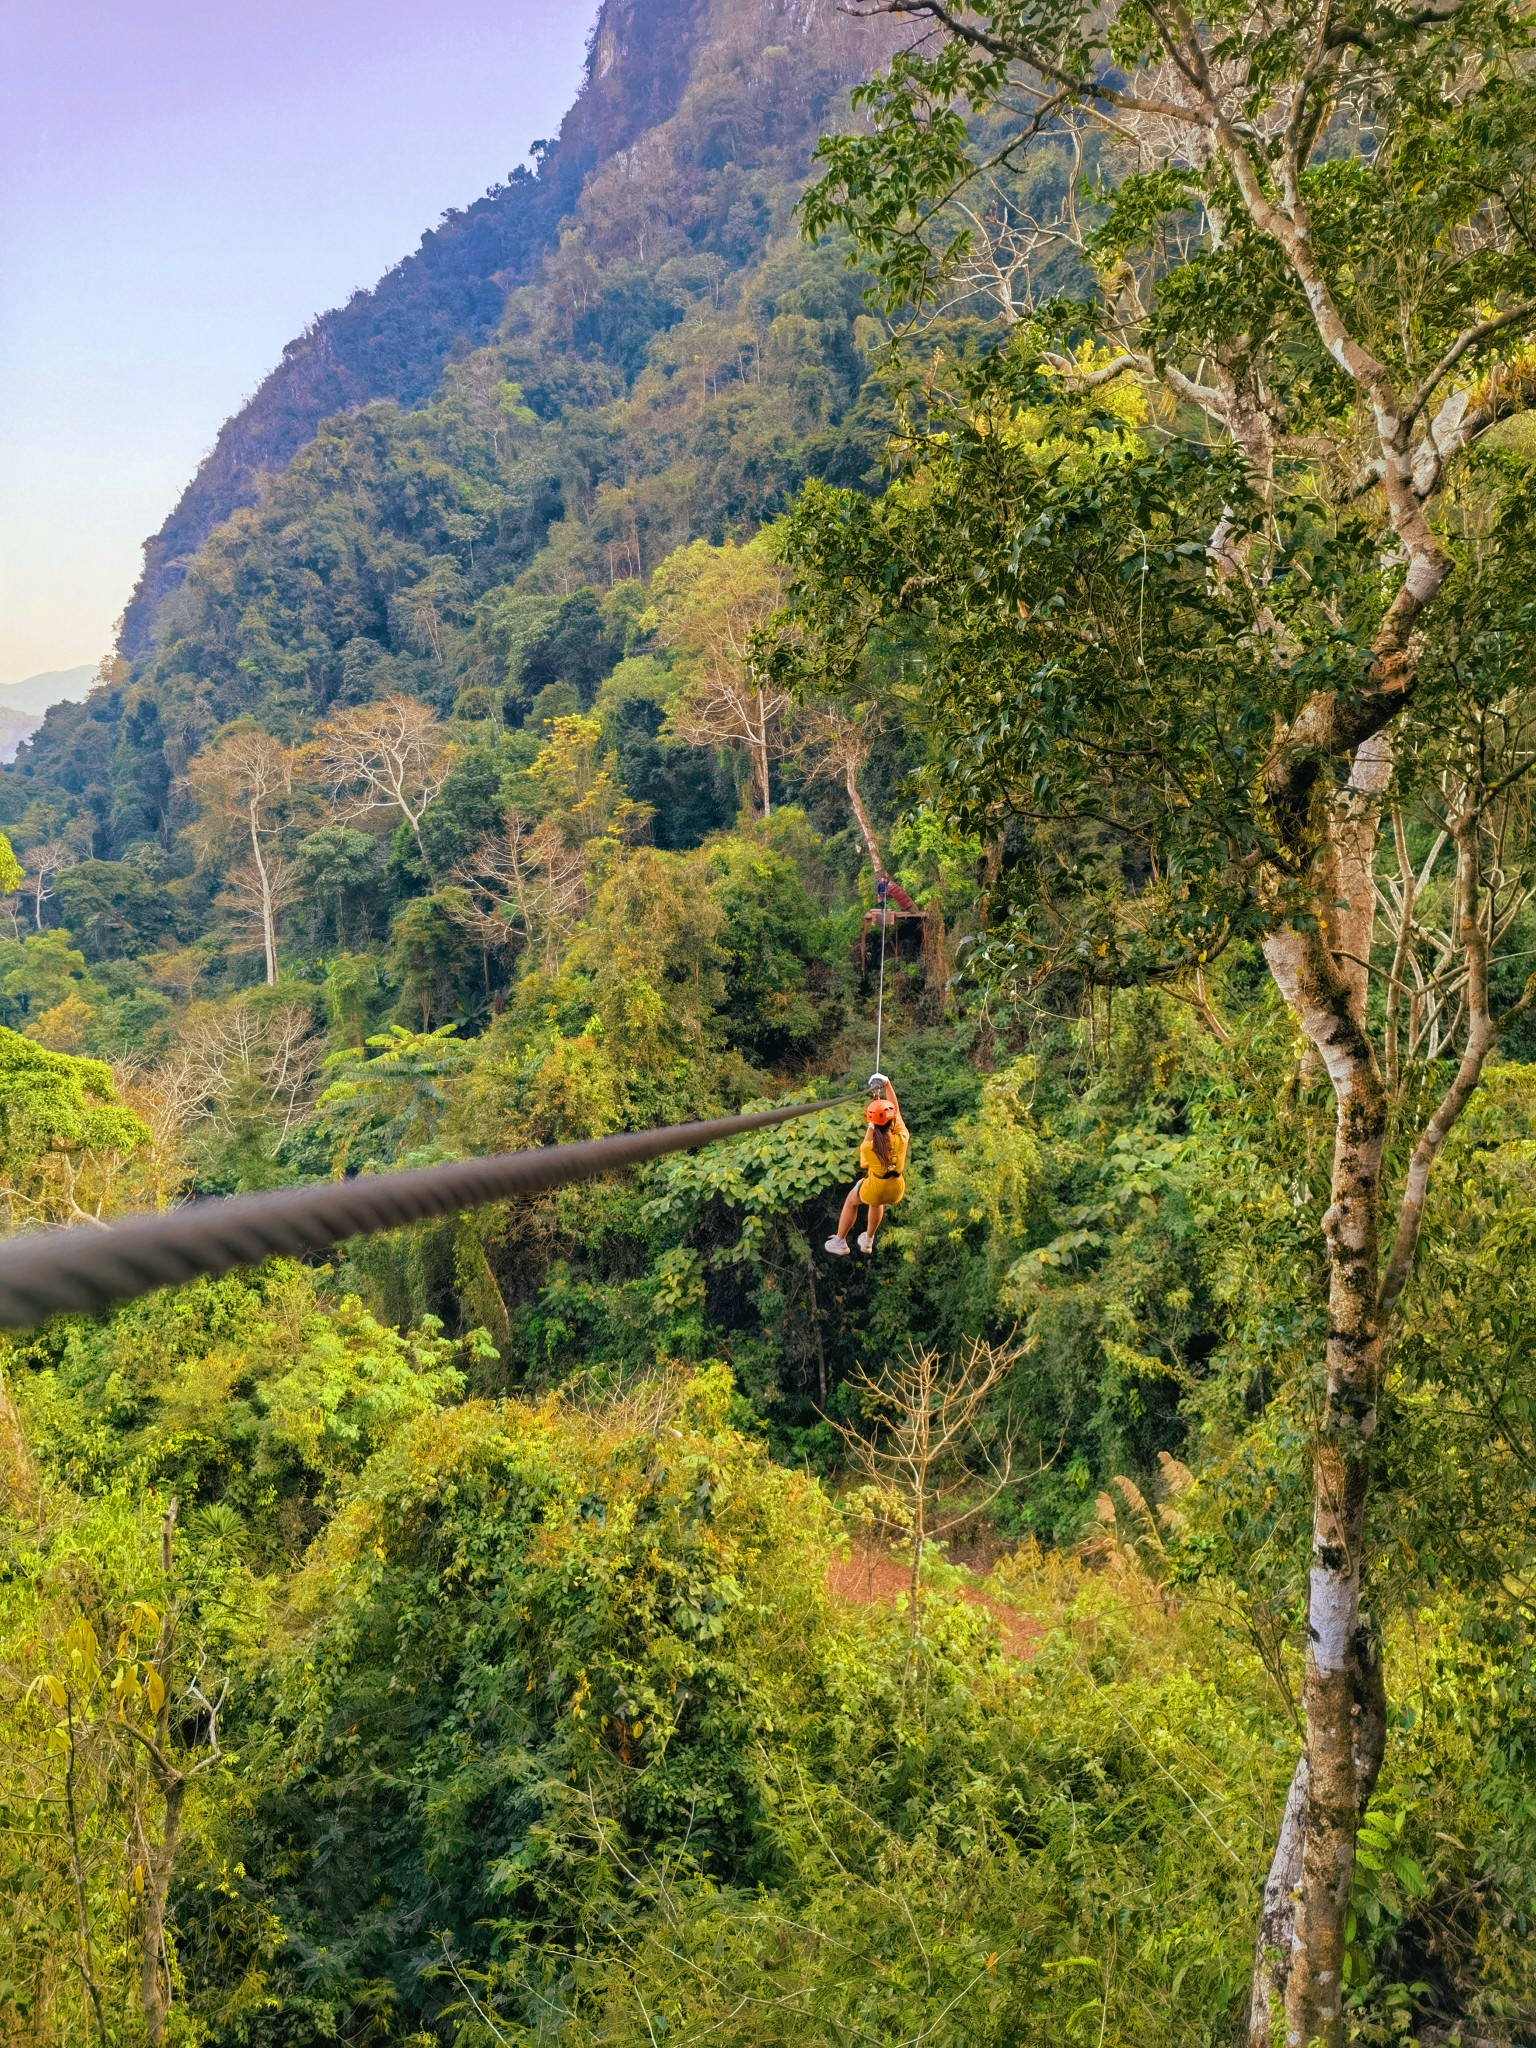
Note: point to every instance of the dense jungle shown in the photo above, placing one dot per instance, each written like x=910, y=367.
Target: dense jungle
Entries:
x=1074, y=466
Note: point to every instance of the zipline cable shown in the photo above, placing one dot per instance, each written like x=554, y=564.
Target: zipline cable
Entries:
x=86, y=1268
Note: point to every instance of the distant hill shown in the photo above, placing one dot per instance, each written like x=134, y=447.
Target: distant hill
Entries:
x=22, y=705
x=56, y=686
x=15, y=726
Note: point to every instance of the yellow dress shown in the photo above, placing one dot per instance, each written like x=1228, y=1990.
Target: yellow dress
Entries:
x=884, y=1186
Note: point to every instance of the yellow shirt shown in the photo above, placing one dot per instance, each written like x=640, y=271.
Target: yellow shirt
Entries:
x=896, y=1166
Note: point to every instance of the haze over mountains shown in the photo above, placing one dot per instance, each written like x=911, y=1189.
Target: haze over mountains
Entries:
x=35, y=694
x=23, y=704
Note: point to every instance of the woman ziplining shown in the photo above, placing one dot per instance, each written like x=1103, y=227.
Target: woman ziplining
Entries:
x=883, y=1157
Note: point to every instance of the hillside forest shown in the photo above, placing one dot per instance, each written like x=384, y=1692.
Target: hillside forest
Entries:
x=1075, y=466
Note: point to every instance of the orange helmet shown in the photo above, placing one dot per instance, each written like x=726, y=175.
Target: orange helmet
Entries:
x=879, y=1111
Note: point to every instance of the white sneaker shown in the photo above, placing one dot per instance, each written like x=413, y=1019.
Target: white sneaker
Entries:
x=866, y=1242
x=838, y=1246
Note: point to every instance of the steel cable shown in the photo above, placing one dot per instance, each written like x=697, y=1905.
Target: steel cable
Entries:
x=87, y=1267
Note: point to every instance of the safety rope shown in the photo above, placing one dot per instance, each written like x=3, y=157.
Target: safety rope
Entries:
x=87, y=1268
x=880, y=889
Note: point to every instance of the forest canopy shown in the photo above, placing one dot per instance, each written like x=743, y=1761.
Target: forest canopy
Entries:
x=1085, y=498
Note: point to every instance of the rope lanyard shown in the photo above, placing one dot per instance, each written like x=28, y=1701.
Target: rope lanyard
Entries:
x=880, y=889
x=85, y=1269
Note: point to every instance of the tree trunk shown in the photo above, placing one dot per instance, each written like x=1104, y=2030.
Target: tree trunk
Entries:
x=936, y=961
x=421, y=844
x=1275, y=1948
x=1355, y=835
x=268, y=930
x=268, y=909
x=760, y=756
x=919, y=1538
x=861, y=816
x=1343, y=1679
x=154, y=1961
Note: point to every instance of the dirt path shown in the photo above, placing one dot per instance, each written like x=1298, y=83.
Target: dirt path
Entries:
x=868, y=1577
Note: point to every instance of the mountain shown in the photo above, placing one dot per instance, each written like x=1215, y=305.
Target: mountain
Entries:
x=15, y=726
x=438, y=476
x=33, y=696
x=445, y=299
x=23, y=704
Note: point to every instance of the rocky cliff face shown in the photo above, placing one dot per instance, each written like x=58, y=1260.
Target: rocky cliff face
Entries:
x=393, y=341
x=687, y=362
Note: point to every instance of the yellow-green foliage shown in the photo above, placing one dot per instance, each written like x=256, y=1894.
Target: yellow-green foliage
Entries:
x=84, y=1599
x=63, y=1131
x=245, y=1391
x=635, y=1765
x=988, y=1173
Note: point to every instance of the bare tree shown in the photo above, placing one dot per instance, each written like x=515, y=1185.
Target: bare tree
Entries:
x=239, y=1063
x=42, y=864
x=243, y=784
x=255, y=895
x=730, y=706
x=162, y=1099
x=926, y=1440
x=708, y=605
x=528, y=882
x=388, y=756
x=525, y=885
x=837, y=743
x=156, y=1712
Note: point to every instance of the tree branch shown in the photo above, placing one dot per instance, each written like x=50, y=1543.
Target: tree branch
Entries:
x=1467, y=339
x=1012, y=51
x=1483, y=1034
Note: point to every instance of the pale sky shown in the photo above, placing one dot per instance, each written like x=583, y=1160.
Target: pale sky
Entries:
x=184, y=185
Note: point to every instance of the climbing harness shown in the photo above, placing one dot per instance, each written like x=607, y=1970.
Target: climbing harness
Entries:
x=84, y=1269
